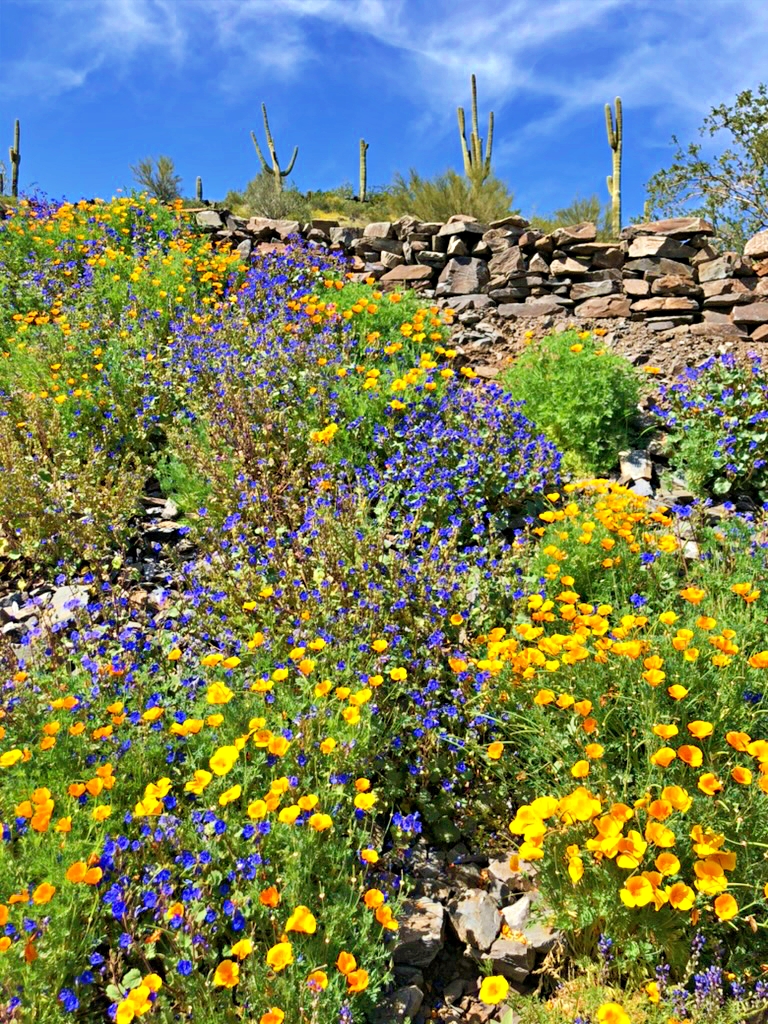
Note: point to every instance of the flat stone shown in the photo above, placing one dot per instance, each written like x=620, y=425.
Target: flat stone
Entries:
x=668, y=304
x=674, y=284
x=532, y=308
x=659, y=245
x=592, y=289
x=285, y=228
x=391, y=260
x=475, y=919
x=565, y=265
x=505, y=264
x=477, y=301
x=753, y=313
x=499, y=239
x=730, y=264
x=407, y=272
x=514, y=960
x=757, y=246
x=673, y=227
x=430, y=258
x=604, y=306
x=462, y=226
x=717, y=330
x=379, y=229
x=209, y=219
x=324, y=225
x=344, y=236
x=482, y=250
x=540, y=937
x=760, y=333
x=512, y=221
x=513, y=292
x=637, y=288
x=651, y=268
x=463, y=275
x=64, y=603
x=574, y=234
x=421, y=933
x=732, y=289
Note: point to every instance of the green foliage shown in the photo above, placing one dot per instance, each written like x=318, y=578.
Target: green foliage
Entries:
x=717, y=418
x=584, y=397
x=262, y=199
x=158, y=178
x=579, y=210
x=730, y=189
x=477, y=165
x=438, y=198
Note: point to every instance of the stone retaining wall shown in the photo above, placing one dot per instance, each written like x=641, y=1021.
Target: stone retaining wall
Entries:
x=664, y=273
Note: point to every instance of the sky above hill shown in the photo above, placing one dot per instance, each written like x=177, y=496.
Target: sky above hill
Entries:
x=100, y=84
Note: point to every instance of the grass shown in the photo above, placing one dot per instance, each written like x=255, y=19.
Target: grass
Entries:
x=394, y=614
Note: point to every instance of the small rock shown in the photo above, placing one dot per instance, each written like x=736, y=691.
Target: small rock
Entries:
x=636, y=464
x=475, y=919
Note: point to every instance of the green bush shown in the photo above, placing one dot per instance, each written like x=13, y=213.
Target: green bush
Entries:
x=440, y=197
x=262, y=199
x=584, y=397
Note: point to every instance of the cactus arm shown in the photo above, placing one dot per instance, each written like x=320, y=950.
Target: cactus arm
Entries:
x=264, y=163
x=489, y=146
x=199, y=189
x=289, y=168
x=464, y=148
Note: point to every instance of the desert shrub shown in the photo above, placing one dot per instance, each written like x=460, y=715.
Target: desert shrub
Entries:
x=261, y=198
x=438, y=198
x=583, y=396
x=579, y=210
x=158, y=178
x=716, y=416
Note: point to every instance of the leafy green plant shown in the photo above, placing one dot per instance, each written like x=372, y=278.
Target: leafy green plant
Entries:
x=158, y=177
x=731, y=188
x=717, y=418
x=583, y=396
x=440, y=197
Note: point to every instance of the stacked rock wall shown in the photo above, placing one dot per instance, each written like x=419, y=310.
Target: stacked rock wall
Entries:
x=664, y=273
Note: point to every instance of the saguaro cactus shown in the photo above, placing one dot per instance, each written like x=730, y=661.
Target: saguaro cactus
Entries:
x=15, y=155
x=199, y=189
x=275, y=169
x=2, y=178
x=476, y=166
x=615, y=141
x=363, y=169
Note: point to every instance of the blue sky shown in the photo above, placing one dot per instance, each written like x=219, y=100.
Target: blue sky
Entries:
x=99, y=84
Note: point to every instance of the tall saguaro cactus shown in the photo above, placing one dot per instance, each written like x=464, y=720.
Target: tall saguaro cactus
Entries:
x=275, y=169
x=615, y=141
x=363, y=170
x=476, y=166
x=199, y=189
x=15, y=155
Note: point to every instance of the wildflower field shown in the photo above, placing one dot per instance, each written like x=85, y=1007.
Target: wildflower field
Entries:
x=391, y=617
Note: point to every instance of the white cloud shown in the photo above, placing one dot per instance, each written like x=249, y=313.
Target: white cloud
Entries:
x=676, y=59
